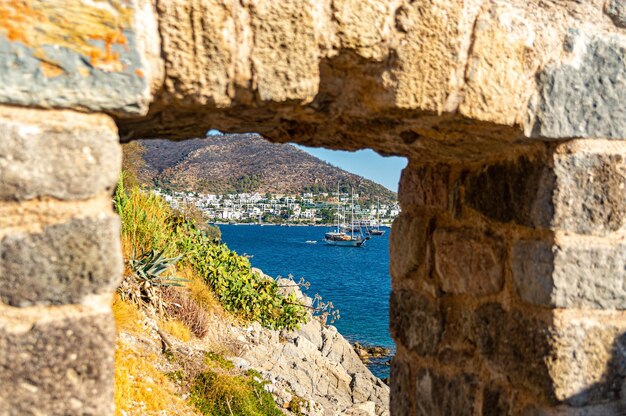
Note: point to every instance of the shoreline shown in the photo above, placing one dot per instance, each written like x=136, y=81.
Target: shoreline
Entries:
x=269, y=224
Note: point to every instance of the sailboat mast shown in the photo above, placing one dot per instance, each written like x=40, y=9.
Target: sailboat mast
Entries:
x=352, y=215
x=377, y=212
x=337, y=206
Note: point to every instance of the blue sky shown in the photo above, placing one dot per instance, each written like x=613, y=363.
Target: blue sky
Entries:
x=367, y=163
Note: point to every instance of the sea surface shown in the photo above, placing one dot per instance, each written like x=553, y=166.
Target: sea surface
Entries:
x=356, y=280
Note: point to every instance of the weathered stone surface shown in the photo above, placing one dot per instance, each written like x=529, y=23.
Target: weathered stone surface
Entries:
x=438, y=395
x=572, y=274
x=516, y=346
x=591, y=190
x=62, y=264
x=584, y=98
x=62, y=154
x=589, y=365
x=415, y=322
x=425, y=187
x=56, y=361
x=84, y=56
x=407, y=244
x=402, y=399
x=518, y=191
x=468, y=262
x=616, y=9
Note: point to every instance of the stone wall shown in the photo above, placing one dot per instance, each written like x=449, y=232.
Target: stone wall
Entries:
x=512, y=299
x=508, y=262
x=60, y=261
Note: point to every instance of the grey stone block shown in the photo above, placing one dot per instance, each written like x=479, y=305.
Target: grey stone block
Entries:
x=62, y=264
x=59, y=154
x=585, y=99
x=468, y=262
x=570, y=275
x=591, y=192
x=415, y=322
x=100, y=66
x=57, y=365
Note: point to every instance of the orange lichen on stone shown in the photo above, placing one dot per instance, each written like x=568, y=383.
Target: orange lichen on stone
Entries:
x=51, y=70
x=89, y=29
x=139, y=73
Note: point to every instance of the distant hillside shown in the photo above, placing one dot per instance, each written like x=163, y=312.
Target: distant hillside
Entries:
x=247, y=163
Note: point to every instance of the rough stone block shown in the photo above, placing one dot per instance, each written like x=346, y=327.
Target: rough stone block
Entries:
x=591, y=190
x=516, y=346
x=589, y=361
x=425, y=187
x=438, y=395
x=408, y=246
x=56, y=361
x=514, y=191
x=572, y=274
x=61, y=154
x=468, y=262
x=97, y=63
x=415, y=322
x=62, y=264
x=584, y=97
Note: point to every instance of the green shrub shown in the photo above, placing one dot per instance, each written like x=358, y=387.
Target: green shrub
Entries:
x=250, y=295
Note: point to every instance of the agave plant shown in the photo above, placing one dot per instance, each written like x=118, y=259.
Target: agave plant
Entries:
x=143, y=286
x=149, y=266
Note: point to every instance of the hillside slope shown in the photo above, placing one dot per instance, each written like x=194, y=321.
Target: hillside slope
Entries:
x=247, y=163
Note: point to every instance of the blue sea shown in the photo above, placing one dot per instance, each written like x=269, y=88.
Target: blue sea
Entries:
x=356, y=280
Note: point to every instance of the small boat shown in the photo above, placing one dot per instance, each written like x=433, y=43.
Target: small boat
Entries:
x=311, y=241
x=376, y=231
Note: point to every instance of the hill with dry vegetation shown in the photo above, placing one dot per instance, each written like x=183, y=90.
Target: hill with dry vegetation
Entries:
x=247, y=163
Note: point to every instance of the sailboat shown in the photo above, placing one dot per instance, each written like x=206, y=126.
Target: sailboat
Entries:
x=343, y=239
x=377, y=231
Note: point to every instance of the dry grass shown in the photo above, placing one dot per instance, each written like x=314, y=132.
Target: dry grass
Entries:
x=186, y=310
x=127, y=316
x=140, y=389
x=201, y=293
x=176, y=328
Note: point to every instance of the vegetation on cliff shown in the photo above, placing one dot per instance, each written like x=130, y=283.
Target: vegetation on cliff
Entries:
x=164, y=236
x=177, y=274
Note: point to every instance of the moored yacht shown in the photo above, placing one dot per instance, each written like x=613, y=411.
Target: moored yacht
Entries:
x=341, y=238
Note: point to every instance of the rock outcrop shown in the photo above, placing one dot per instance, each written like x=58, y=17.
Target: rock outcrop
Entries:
x=315, y=363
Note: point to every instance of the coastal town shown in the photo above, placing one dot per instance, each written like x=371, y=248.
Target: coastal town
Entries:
x=295, y=209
